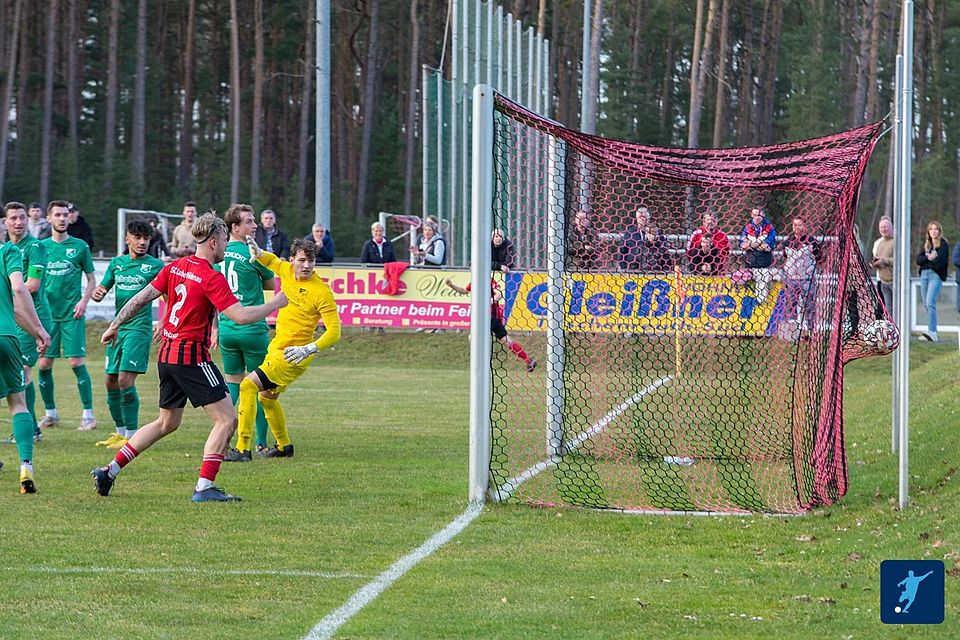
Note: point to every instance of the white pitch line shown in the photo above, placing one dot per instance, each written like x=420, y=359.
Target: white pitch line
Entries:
x=369, y=592
x=529, y=473
x=183, y=570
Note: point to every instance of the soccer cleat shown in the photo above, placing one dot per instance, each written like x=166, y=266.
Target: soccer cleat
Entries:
x=235, y=455
x=102, y=481
x=110, y=440
x=37, y=434
x=279, y=452
x=9, y=440
x=531, y=364
x=262, y=450
x=87, y=424
x=27, y=485
x=119, y=443
x=49, y=421
x=214, y=494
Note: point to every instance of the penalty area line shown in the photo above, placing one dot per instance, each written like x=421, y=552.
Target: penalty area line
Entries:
x=369, y=592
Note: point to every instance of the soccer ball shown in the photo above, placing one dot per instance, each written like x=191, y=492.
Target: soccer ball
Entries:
x=882, y=335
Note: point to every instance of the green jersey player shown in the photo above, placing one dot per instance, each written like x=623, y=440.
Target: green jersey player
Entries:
x=68, y=259
x=243, y=346
x=127, y=357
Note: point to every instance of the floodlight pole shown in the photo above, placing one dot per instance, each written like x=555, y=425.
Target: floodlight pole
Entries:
x=321, y=188
x=585, y=80
x=902, y=235
x=895, y=311
x=482, y=211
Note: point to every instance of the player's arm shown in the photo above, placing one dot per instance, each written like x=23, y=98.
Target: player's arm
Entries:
x=25, y=314
x=101, y=290
x=146, y=295
x=248, y=315
x=34, y=278
x=327, y=308
x=455, y=287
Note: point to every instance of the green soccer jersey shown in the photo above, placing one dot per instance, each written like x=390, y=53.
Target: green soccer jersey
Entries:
x=35, y=266
x=67, y=261
x=246, y=280
x=11, y=261
x=128, y=276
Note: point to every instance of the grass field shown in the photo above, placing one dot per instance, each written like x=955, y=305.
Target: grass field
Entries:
x=380, y=427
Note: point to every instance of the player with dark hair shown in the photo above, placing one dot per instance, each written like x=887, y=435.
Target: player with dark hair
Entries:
x=195, y=293
x=128, y=356
x=243, y=347
x=293, y=347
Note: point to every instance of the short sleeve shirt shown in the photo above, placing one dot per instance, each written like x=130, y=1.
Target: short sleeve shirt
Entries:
x=67, y=261
x=35, y=266
x=245, y=280
x=11, y=261
x=195, y=293
x=127, y=277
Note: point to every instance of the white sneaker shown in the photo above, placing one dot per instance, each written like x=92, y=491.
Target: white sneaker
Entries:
x=49, y=421
x=87, y=424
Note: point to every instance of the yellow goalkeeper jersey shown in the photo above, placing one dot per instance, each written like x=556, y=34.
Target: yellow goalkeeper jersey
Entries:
x=310, y=300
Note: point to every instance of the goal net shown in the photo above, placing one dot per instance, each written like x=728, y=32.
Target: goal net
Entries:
x=163, y=222
x=691, y=312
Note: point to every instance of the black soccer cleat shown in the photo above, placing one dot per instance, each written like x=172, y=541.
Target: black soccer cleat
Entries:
x=235, y=455
x=214, y=493
x=279, y=452
x=102, y=481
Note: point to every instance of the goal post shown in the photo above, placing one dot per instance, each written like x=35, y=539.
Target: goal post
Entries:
x=741, y=265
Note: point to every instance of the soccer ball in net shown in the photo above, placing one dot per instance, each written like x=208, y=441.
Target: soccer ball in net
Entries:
x=882, y=335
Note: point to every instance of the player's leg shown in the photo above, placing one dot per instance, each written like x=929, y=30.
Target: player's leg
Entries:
x=277, y=419
x=114, y=402
x=134, y=358
x=272, y=377
x=45, y=377
x=500, y=333
x=253, y=357
x=29, y=356
x=75, y=350
x=232, y=349
x=247, y=409
x=11, y=387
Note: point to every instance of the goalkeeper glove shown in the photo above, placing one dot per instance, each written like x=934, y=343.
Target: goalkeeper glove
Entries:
x=296, y=355
x=255, y=250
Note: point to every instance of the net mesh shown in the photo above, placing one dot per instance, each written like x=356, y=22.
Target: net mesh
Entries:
x=691, y=312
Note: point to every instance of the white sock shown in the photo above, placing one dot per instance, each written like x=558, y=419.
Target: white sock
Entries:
x=121, y=431
x=113, y=469
x=128, y=433
x=26, y=465
x=88, y=414
x=52, y=413
x=203, y=483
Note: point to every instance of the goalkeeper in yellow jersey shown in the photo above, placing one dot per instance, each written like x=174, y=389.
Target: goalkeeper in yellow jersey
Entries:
x=293, y=346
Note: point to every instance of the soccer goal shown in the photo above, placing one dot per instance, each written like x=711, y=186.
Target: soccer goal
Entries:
x=684, y=370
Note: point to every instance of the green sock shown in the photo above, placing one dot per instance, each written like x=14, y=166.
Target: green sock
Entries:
x=262, y=427
x=131, y=409
x=113, y=403
x=83, y=386
x=30, y=395
x=234, y=389
x=45, y=380
x=23, y=432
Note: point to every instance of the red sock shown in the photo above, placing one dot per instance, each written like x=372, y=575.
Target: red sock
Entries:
x=210, y=466
x=125, y=455
x=517, y=349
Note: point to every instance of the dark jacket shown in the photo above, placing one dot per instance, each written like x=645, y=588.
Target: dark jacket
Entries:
x=80, y=229
x=280, y=245
x=642, y=256
x=370, y=254
x=956, y=261
x=938, y=264
x=582, y=248
x=325, y=251
x=503, y=256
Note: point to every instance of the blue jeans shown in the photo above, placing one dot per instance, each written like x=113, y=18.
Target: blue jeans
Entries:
x=930, y=284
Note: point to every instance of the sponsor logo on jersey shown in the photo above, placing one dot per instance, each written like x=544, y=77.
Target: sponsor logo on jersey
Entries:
x=71, y=252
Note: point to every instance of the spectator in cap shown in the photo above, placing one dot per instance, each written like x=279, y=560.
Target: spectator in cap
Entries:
x=37, y=224
x=78, y=227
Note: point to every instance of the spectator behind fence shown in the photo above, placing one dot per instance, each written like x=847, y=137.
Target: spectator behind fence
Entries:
x=802, y=252
x=377, y=250
x=431, y=250
x=321, y=237
x=78, y=227
x=932, y=261
x=643, y=248
x=582, y=243
x=708, y=248
x=269, y=236
x=37, y=224
x=757, y=241
x=882, y=261
x=503, y=254
x=183, y=243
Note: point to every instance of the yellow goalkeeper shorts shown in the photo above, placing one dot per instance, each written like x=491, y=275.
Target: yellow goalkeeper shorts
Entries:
x=276, y=373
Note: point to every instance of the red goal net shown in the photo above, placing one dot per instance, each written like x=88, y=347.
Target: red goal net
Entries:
x=691, y=310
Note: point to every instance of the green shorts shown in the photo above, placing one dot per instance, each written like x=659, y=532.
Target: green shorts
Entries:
x=11, y=366
x=243, y=352
x=28, y=344
x=131, y=352
x=71, y=335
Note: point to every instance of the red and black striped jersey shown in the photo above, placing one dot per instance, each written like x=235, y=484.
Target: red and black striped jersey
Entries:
x=195, y=292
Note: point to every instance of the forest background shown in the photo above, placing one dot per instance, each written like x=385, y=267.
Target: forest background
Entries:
x=147, y=104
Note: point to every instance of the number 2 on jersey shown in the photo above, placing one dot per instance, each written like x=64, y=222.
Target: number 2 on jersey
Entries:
x=181, y=291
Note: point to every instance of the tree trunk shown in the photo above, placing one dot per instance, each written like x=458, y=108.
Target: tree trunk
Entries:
x=110, y=118
x=26, y=57
x=701, y=68
x=872, y=89
x=235, y=101
x=257, y=100
x=542, y=18
x=47, y=130
x=73, y=89
x=185, y=159
x=593, y=91
x=138, y=149
x=369, y=108
x=719, y=115
x=666, y=87
x=858, y=111
x=309, y=70
x=8, y=93
x=936, y=76
x=770, y=50
x=414, y=69
x=746, y=93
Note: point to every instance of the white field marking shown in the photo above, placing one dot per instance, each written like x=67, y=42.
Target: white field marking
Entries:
x=529, y=473
x=279, y=573
x=369, y=592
